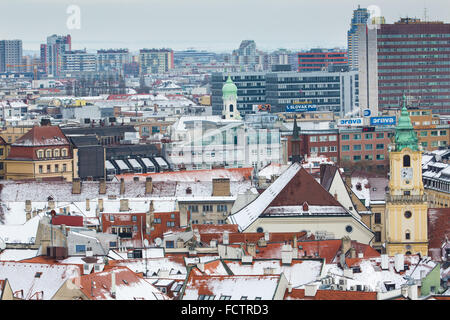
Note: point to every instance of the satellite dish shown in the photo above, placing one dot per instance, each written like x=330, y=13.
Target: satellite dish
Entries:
x=158, y=242
x=2, y=245
x=146, y=244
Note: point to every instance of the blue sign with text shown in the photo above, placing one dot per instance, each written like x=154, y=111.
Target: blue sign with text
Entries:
x=382, y=121
x=300, y=108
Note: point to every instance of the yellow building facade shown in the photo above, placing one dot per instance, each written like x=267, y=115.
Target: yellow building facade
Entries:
x=406, y=202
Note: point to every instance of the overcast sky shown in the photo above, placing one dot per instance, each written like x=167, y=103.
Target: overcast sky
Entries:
x=201, y=24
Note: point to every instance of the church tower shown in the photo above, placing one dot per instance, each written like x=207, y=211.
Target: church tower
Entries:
x=229, y=96
x=296, y=143
x=406, y=203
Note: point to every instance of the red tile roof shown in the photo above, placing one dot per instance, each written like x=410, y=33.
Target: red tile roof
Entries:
x=299, y=294
x=42, y=136
x=438, y=229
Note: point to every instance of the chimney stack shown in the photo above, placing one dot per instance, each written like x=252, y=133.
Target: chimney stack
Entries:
x=27, y=206
x=136, y=179
x=88, y=205
x=76, y=186
x=384, y=262
x=352, y=253
x=122, y=186
x=51, y=204
x=113, y=284
x=148, y=185
x=100, y=204
x=102, y=186
x=399, y=262
x=221, y=187
x=286, y=254
x=346, y=244
x=251, y=249
x=124, y=205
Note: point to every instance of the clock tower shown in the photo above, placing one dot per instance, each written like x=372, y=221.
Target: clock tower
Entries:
x=406, y=203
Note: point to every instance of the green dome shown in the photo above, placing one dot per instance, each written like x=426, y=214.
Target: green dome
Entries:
x=229, y=88
x=405, y=136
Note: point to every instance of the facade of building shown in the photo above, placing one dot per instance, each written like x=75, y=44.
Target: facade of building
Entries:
x=251, y=90
x=406, y=205
x=113, y=60
x=52, y=52
x=325, y=91
x=78, y=61
x=436, y=178
x=10, y=55
x=247, y=57
x=360, y=17
x=371, y=148
x=320, y=59
x=155, y=60
x=42, y=153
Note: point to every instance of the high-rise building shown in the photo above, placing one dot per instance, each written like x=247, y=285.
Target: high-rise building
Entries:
x=10, y=55
x=408, y=57
x=155, y=60
x=112, y=60
x=320, y=59
x=248, y=57
x=78, y=61
x=360, y=17
x=52, y=52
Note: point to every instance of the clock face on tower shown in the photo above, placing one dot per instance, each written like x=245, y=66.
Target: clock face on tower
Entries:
x=406, y=174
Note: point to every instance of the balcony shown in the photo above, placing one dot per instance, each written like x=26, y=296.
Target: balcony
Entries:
x=406, y=198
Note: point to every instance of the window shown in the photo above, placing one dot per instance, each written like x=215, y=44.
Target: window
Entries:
x=157, y=220
x=356, y=158
x=434, y=133
x=357, y=147
x=323, y=149
x=170, y=223
x=368, y=157
x=349, y=228
x=323, y=138
x=64, y=152
x=38, y=274
x=49, y=168
x=225, y=298
x=41, y=169
x=408, y=214
x=377, y=217
x=112, y=244
x=260, y=230
x=377, y=236
x=169, y=244
x=56, y=153
x=80, y=248
x=64, y=167
x=134, y=218
x=172, y=216
x=380, y=156
x=48, y=153
x=244, y=298
x=313, y=139
x=207, y=208
x=345, y=137
x=345, y=148
x=380, y=135
x=380, y=146
x=111, y=218
x=369, y=147
x=333, y=149
x=443, y=133
x=368, y=136
x=332, y=138
x=40, y=153
x=356, y=137
x=56, y=168
x=406, y=161
x=135, y=228
x=314, y=150
x=407, y=235
x=222, y=208
x=423, y=133
x=193, y=208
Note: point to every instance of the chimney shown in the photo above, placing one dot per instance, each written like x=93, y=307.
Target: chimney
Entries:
x=311, y=290
x=148, y=185
x=352, y=253
x=384, y=262
x=27, y=206
x=76, y=186
x=413, y=292
x=348, y=180
x=399, y=262
x=113, y=284
x=346, y=244
x=100, y=204
x=124, y=205
x=122, y=186
x=286, y=254
x=136, y=179
x=290, y=287
x=51, y=204
x=221, y=187
x=226, y=238
x=102, y=186
x=251, y=249
x=88, y=205
x=267, y=236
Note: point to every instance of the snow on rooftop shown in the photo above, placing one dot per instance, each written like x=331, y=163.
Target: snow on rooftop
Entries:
x=246, y=216
x=34, y=278
x=148, y=162
x=20, y=233
x=17, y=254
x=362, y=193
x=122, y=165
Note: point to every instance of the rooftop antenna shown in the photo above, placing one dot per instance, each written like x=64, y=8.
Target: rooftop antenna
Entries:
x=425, y=17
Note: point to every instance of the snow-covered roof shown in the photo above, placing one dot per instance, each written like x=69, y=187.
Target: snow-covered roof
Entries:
x=161, y=161
x=38, y=281
x=109, y=165
x=134, y=163
x=20, y=233
x=122, y=165
x=148, y=162
x=17, y=254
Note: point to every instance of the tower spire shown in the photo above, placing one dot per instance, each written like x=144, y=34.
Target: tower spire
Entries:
x=405, y=136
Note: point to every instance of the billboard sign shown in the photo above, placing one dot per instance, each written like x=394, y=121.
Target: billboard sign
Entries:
x=300, y=108
x=383, y=121
x=352, y=122
x=367, y=113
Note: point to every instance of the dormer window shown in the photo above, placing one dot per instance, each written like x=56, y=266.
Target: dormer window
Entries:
x=64, y=152
x=48, y=153
x=40, y=153
x=56, y=153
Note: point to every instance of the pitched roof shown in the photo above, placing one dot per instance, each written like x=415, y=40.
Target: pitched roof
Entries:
x=42, y=136
x=327, y=173
x=129, y=286
x=438, y=230
x=293, y=188
x=299, y=294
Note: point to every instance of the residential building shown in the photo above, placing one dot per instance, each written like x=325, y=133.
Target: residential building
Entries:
x=44, y=153
x=52, y=52
x=406, y=202
x=113, y=60
x=247, y=57
x=155, y=61
x=11, y=56
x=436, y=176
x=320, y=59
x=78, y=61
